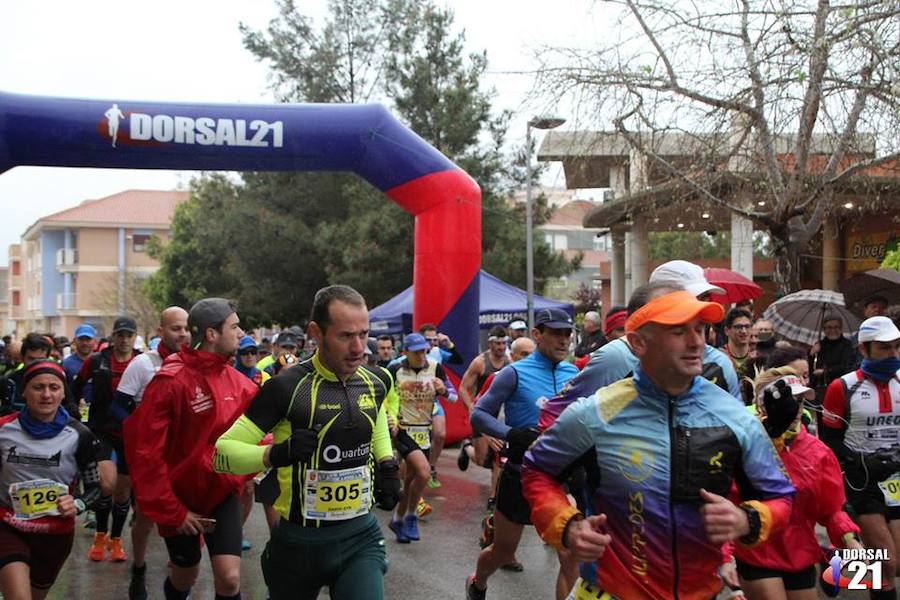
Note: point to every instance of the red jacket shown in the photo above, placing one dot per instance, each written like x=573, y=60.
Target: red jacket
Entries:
x=820, y=498
x=170, y=438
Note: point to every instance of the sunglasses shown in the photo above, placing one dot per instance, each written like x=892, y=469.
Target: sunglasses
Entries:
x=248, y=353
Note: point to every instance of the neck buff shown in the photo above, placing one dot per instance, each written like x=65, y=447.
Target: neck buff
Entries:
x=881, y=370
x=43, y=430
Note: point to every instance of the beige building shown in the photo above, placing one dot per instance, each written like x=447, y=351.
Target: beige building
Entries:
x=81, y=264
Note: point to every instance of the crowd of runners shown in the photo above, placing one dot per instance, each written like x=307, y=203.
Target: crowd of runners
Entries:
x=676, y=449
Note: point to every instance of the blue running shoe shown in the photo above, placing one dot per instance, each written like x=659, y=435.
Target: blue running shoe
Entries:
x=411, y=527
x=400, y=531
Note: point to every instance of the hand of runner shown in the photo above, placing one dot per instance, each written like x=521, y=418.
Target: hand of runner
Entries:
x=392, y=425
x=496, y=444
x=191, y=525
x=585, y=538
x=439, y=386
x=298, y=448
x=65, y=504
x=722, y=519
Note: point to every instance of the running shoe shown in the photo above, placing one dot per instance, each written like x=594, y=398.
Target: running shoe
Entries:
x=137, y=588
x=433, y=482
x=423, y=509
x=472, y=592
x=487, y=532
x=411, y=527
x=399, y=531
x=462, y=461
x=116, y=551
x=98, y=549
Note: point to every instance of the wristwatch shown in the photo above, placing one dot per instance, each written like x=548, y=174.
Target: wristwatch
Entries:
x=755, y=525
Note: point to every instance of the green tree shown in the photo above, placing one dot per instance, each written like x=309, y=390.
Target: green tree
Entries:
x=891, y=260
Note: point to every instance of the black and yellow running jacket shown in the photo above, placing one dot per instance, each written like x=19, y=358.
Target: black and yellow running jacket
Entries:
x=352, y=428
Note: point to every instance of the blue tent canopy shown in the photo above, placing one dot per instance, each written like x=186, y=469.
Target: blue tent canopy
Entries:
x=500, y=304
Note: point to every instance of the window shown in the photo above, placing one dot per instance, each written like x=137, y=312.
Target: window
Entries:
x=140, y=242
x=16, y=298
x=557, y=241
x=601, y=242
x=16, y=268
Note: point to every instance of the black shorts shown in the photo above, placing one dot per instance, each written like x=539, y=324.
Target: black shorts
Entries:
x=510, y=501
x=801, y=580
x=44, y=553
x=405, y=444
x=868, y=500
x=185, y=551
x=114, y=449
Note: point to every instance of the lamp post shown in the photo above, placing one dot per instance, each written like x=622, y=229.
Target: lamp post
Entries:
x=536, y=123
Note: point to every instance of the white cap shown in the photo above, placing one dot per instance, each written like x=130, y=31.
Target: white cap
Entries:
x=687, y=274
x=518, y=325
x=878, y=329
x=797, y=388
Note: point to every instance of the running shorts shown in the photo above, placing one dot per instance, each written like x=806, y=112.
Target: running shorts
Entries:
x=185, y=550
x=510, y=501
x=44, y=553
x=801, y=580
x=406, y=445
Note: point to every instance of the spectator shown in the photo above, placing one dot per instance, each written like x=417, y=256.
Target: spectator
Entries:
x=738, y=322
x=833, y=355
x=592, y=336
x=614, y=325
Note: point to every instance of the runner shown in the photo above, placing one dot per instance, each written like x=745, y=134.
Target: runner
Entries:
x=104, y=370
x=519, y=389
x=328, y=419
x=662, y=525
x=174, y=333
x=45, y=453
x=861, y=424
x=193, y=399
x=419, y=381
x=785, y=567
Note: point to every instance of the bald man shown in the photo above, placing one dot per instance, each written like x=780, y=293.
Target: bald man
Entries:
x=521, y=348
x=174, y=334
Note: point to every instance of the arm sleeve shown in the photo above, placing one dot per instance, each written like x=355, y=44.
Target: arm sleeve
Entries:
x=87, y=454
x=452, y=356
x=381, y=436
x=831, y=498
x=549, y=457
x=147, y=430
x=238, y=451
x=484, y=415
x=122, y=405
x=392, y=399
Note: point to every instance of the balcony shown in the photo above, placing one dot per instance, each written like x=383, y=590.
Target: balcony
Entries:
x=66, y=257
x=65, y=301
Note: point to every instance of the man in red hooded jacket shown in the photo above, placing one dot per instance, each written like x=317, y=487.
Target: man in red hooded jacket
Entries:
x=192, y=400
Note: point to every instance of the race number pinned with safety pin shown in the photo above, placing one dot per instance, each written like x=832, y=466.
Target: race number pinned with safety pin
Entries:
x=36, y=498
x=421, y=435
x=890, y=487
x=337, y=495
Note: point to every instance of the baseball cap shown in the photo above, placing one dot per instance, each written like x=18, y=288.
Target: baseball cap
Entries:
x=85, y=330
x=415, y=342
x=554, y=318
x=286, y=338
x=247, y=342
x=518, y=325
x=675, y=308
x=124, y=324
x=797, y=388
x=687, y=274
x=206, y=313
x=878, y=329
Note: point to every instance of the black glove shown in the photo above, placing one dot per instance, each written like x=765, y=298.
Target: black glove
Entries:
x=387, y=484
x=882, y=463
x=519, y=439
x=781, y=408
x=300, y=447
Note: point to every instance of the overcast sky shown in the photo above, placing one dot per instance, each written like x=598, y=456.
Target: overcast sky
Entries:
x=190, y=50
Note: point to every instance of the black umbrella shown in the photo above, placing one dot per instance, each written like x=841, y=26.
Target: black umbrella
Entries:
x=862, y=286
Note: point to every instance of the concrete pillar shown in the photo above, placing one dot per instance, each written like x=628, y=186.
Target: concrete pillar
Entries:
x=121, y=279
x=742, y=245
x=638, y=167
x=831, y=254
x=618, y=181
x=628, y=253
x=68, y=301
x=617, y=268
x=640, y=252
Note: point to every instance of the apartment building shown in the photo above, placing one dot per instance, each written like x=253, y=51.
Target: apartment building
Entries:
x=79, y=265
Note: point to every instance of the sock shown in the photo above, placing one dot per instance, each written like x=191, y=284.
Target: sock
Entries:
x=172, y=593
x=119, y=516
x=235, y=597
x=137, y=571
x=883, y=594
x=101, y=510
x=411, y=511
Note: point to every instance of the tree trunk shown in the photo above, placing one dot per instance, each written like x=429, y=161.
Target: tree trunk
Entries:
x=789, y=243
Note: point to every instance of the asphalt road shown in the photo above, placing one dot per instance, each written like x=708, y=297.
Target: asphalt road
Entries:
x=434, y=568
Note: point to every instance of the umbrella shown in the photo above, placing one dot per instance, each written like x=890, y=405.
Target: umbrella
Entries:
x=798, y=316
x=883, y=282
x=736, y=286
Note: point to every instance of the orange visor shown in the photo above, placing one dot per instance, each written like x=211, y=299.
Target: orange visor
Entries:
x=676, y=308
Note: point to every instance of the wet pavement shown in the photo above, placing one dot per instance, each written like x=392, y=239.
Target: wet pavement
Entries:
x=435, y=567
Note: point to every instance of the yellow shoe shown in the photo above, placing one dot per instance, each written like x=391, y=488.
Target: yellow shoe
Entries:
x=423, y=509
x=116, y=552
x=98, y=549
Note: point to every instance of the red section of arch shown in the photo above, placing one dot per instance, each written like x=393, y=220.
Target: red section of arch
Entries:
x=447, y=207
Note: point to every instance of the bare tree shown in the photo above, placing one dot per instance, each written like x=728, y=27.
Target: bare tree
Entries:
x=785, y=101
x=136, y=303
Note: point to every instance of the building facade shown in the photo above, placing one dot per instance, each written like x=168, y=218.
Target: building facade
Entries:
x=78, y=265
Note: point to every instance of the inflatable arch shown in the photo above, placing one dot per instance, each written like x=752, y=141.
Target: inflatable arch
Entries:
x=363, y=139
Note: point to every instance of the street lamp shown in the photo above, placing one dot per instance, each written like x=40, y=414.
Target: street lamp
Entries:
x=536, y=123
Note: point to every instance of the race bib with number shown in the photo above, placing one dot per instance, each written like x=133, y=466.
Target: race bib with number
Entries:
x=585, y=591
x=36, y=498
x=890, y=487
x=421, y=435
x=337, y=495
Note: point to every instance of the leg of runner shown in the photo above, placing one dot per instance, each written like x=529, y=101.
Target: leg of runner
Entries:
x=121, y=504
x=417, y=474
x=15, y=581
x=876, y=533
x=438, y=436
x=503, y=551
x=140, y=535
x=271, y=515
x=769, y=587
x=362, y=573
x=226, y=575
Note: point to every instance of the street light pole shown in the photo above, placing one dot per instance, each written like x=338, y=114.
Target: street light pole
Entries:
x=536, y=123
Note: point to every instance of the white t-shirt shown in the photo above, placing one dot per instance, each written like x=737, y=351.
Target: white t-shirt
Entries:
x=138, y=374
